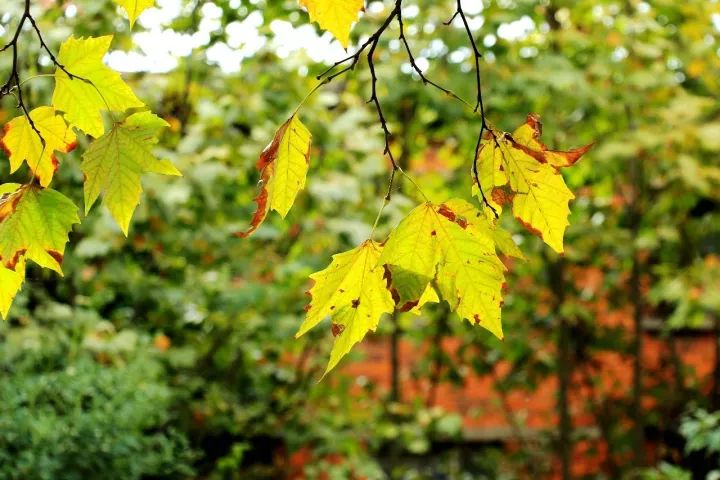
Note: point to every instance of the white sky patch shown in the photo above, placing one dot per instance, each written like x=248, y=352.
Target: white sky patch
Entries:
x=289, y=40
x=715, y=18
x=517, y=30
x=160, y=48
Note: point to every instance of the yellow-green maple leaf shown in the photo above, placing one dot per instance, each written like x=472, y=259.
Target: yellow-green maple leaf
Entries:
x=34, y=225
x=93, y=89
x=114, y=164
x=438, y=242
x=335, y=16
x=134, y=8
x=10, y=284
x=486, y=226
x=23, y=144
x=284, y=166
x=522, y=163
x=429, y=296
x=352, y=292
x=470, y=276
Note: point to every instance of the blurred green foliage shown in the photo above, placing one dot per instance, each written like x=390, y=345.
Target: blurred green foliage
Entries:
x=171, y=354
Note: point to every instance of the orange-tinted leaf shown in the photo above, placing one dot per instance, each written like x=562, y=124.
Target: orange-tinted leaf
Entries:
x=284, y=165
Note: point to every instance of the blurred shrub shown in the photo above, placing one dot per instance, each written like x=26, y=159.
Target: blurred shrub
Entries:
x=82, y=415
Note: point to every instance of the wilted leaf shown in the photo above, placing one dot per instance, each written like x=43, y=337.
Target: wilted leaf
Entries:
x=538, y=192
x=439, y=242
x=283, y=165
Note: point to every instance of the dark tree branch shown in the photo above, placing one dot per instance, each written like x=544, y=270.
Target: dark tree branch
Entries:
x=370, y=45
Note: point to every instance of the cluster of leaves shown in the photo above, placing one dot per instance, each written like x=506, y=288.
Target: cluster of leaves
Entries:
x=35, y=220
x=439, y=251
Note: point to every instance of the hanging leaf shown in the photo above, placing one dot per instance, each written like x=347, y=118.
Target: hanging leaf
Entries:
x=519, y=168
x=430, y=295
x=335, y=16
x=114, y=164
x=284, y=166
x=134, y=8
x=34, y=225
x=439, y=242
x=93, y=89
x=10, y=283
x=353, y=293
x=23, y=144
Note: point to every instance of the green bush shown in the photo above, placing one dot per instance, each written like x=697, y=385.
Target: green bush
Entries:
x=67, y=418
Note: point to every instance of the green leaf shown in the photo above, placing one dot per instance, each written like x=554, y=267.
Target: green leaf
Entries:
x=34, y=224
x=114, y=164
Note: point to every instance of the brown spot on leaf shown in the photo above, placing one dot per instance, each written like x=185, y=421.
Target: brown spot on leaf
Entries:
x=529, y=227
x=337, y=329
x=502, y=196
x=356, y=303
x=71, y=146
x=13, y=261
x=262, y=210
x=409, y=306
x=477, y=320
x=446, y=212
x=388, y=282
x=433, y=233
x=56, y=255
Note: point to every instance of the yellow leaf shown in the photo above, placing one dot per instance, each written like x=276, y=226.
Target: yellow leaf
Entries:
x=470, y=276
x=453, y=244
x=335, y=16
x=429, y=296
x=485, y=226
x=94, y=87
x=283, y=165
x=530, y=171
x=23, y=144
x=114, y=164
x=10, y=283
x=34, y=225
x=353, y=293
x=134, y=8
